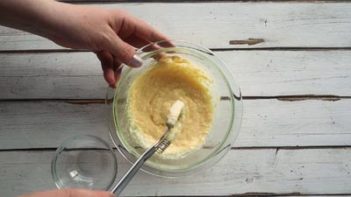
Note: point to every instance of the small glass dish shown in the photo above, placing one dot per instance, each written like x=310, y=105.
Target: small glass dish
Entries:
x=227, y=113
x=84, y=161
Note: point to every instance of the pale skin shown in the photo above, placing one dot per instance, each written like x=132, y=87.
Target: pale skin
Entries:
x=112, y=34
x=70, y=193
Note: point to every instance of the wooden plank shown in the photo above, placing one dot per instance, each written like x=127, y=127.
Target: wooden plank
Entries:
x=267, y=73
x=266, y=123
x=300, y=123
x=53, y=75
x=306, y=171
x=259, y=73
x=216, y=25
x=47, y=124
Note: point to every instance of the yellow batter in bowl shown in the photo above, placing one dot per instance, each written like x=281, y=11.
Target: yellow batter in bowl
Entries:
x=153, y=92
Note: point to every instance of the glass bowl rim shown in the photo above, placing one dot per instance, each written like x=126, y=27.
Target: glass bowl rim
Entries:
x=58, y=151
x=230, y=84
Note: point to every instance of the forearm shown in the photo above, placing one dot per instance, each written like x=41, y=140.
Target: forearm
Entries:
x=112, y=34
x=35, y=16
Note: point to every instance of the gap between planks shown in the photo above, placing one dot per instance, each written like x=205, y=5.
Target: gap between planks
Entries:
x=196, y=1
x=289, y=98
x=213, y=49
x=260, y=194
x=276, y=148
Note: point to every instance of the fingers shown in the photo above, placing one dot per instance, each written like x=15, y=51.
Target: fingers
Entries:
x=138, y=29
x=70, y=193
x=117, y=67
x=122, y=40
x=111, y=67
x=136, y=41
x=106, y=60
x=86, y=193
x=133, y=26
x=123, y=51
x=147, y=32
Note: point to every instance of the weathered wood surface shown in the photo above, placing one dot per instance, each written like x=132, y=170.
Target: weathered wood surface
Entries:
x=266, y=123
x=305, y=171
x=288, y=145
x=259, y=73
x=216, y=25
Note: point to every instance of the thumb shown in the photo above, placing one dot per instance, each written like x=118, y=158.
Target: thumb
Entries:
x=87, y=193
x=124, y=52
x=70, y=193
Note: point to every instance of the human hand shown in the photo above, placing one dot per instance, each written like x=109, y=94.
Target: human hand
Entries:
x=70, y=193
x=111, y=34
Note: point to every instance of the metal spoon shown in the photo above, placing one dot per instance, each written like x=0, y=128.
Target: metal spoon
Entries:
x=161, y=145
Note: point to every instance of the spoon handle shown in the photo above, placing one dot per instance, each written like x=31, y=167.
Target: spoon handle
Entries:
x=118, y=188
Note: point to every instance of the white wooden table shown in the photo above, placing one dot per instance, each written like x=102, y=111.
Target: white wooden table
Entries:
x=291, y=59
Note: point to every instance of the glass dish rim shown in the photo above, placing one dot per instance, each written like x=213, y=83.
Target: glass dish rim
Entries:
x=58, y=151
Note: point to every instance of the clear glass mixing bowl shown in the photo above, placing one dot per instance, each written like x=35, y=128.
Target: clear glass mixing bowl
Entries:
x=227, y=114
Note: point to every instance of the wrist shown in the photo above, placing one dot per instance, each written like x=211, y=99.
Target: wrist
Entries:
x=29, y=15
x=47, y=21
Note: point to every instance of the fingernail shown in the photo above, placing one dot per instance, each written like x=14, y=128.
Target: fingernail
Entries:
x=136, y=61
